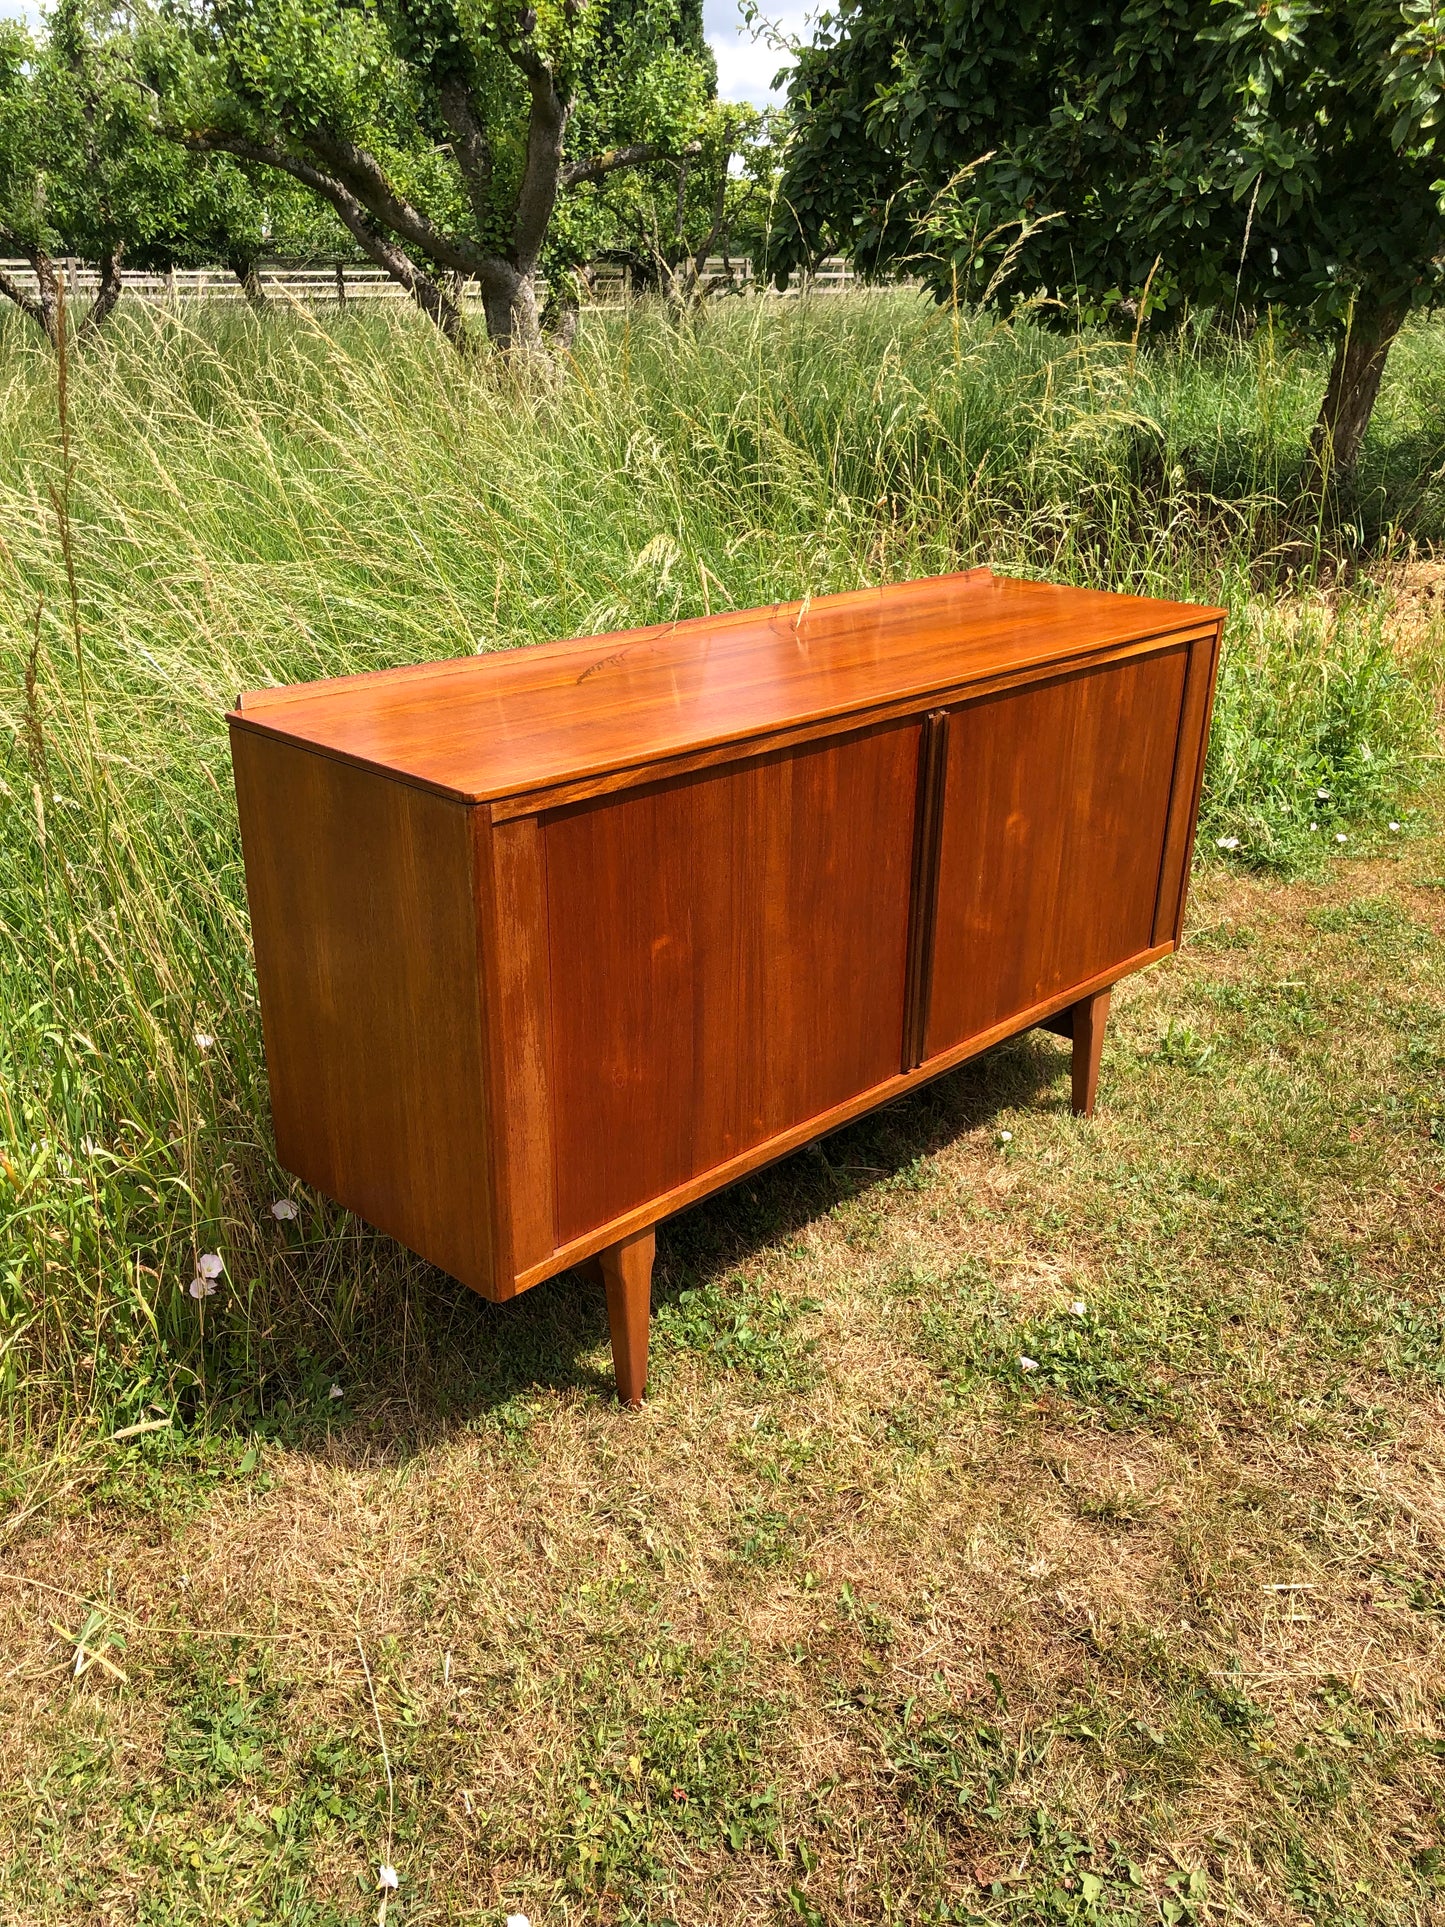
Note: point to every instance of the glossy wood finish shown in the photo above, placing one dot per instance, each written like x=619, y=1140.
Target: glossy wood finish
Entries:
x=1056, y=802
x=1088, y=1018
x=553, y=944
x=627, y=1275
x=727, y=959
x=491, y=726
x=1083, y=1024
x=367, y=963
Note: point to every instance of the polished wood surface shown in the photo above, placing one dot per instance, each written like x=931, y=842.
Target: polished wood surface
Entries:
x=365, y=936
x=728, y=956
x=1055, y=804
x=554, y=944
x=511, y=892
x=491, y=726
x=579, y=1251
x=1089, y=1017
x=627, y=1275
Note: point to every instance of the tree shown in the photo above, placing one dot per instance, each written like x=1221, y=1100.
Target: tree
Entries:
x=191, y=211
x=442, y=132
x=65, y=139
x=1270, y=153
x=664, y=221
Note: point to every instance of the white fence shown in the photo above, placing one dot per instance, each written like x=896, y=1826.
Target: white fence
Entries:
x=349, y=281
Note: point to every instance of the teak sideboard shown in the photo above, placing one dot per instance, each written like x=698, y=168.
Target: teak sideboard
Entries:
x=553, y=942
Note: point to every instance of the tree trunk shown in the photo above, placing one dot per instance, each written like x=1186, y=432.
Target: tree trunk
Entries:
x=1349, y=401
x=44, y=306
x=243, y=266
x=106, y=294
x=509, y=302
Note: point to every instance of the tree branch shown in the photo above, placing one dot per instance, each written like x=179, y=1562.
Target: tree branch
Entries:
x=470, y=148
x=12, y=291
x=387, y=254
x=541, y=173
x=107, y=293
x=364, y=176
x=600, y=165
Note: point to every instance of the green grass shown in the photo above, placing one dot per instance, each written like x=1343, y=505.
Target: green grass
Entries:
x=859, y=1621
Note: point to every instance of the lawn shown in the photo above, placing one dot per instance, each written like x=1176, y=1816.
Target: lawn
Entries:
x=858, y=1620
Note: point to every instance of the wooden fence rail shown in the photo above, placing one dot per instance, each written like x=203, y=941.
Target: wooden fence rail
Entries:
x=349, y=281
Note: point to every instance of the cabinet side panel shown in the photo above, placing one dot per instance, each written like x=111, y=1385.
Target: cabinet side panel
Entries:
x=1188, y=780
x=1053, y=834
x=728, y=955
x=365, y=933
x=512, y=903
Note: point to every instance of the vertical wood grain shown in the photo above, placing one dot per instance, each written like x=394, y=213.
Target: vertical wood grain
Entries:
x=728, y=957
x=1188, y=780
x=512, y=910
x=1053, y=835
x=364, y=925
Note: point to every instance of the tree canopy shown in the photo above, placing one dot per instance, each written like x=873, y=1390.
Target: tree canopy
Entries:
x=441, y=132
x=1256, y=153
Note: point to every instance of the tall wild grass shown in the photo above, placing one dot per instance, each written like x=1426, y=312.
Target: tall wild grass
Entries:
x=234, y=503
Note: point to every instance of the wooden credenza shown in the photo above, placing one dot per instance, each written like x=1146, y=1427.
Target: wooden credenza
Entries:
x=552, y=943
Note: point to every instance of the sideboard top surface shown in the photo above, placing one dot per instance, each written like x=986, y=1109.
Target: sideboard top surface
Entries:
x=503, y=724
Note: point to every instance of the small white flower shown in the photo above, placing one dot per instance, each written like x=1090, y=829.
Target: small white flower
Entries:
x=204, y=1040
x=1323, y=795
x=1227, y=843
x=1314, y=826
x=1394, y=826
x=202, y=1287
x=518, y=1920
x=283, y=1210
x=1028, y=1364
x=389, y=1878
x=1078, y=1308
x=210, y=1264
x=1340, y=837
x=336, y=1392
x=1005, y=1137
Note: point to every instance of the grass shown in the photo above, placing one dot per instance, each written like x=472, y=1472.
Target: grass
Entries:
x=857, y=1620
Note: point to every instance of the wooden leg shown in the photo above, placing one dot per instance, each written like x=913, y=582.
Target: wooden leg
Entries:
x=1089, y=1015
x=627, y=1274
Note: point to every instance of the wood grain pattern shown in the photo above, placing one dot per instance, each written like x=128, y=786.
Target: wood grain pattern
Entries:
x=365, y=931
x=1197, y=706
x=577, y=1251
x=553, y=944
x=631, y=775
x=728, y=957
x=1053, y=827
x=491, y=726
x=511, y=876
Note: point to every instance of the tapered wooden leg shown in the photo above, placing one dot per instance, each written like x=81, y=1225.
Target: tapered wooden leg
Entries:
x=1089, y=1015
x=627, y=1274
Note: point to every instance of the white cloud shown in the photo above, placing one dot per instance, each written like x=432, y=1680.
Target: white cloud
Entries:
x=746, y=67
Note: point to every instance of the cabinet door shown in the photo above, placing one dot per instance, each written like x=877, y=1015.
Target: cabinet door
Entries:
x=727, y=961
x=1055, y=802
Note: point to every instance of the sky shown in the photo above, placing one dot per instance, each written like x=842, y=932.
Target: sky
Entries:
x=745, y=67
